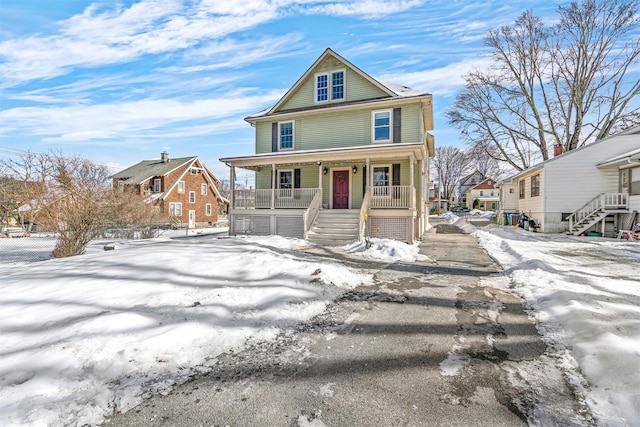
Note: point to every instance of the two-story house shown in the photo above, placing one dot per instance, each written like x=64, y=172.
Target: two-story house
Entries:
x=592, y=189
x=484, y=196
x=183, y=189
x=465, y=184
x=339, y=156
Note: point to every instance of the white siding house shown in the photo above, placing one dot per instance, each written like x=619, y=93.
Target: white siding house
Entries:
x=587, y=189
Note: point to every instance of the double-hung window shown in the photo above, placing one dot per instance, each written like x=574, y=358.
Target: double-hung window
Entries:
x=203, y=189
x=180, y=187
x=381, y=181
x=192, y=196
x=521, y=189
x=285, y=136
x=285, y=183
x=157, y=185
x=175, y=209
x=330, y=86
x=535, y=185
x=381, y=126
x=208, y=209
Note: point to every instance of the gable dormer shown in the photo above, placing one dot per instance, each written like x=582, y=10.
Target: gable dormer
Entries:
x=329, y=81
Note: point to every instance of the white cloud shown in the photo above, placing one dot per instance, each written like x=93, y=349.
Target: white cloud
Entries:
x=366, y=8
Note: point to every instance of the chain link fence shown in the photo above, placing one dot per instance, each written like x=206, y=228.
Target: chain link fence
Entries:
x=21, y=248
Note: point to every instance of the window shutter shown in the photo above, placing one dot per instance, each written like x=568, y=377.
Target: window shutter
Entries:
x=274, y=137
x=397, y=123
x=296, y=178
x=395, y=180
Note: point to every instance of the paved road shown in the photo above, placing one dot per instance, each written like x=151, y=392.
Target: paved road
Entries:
x=431, y=344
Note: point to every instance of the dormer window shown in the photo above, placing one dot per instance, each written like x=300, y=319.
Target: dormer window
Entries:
x=330, y=86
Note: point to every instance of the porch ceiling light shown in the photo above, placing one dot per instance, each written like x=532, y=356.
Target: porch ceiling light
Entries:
x=324, y=170
x=355, y=169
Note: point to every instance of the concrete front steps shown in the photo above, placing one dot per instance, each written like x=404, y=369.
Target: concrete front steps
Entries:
x=335, y=227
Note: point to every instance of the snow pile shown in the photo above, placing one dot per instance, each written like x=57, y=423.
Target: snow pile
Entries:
x=388, y=250
x=585, y=296
x=449, y=216
x=85, y=336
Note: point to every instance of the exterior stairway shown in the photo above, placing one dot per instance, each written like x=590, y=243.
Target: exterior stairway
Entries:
x=335, y=227
x=596, y=210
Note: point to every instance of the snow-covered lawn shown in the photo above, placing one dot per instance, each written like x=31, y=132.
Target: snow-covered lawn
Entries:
x=84, y=335
x=584, y=293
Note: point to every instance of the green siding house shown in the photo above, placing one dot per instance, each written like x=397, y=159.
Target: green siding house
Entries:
x=339, y=157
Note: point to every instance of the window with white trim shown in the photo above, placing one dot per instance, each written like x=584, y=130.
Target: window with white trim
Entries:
x=381, y=126
x=381, y=181
x=194, y=171
x=175, y=209
x=180, y=187
x=330, y=86
x=157, y=185
x=285, y=136
x=203, y=189
x=481, y=193
x=207, y=209
x=192, y=196
x=285, y=183
x=521, y=191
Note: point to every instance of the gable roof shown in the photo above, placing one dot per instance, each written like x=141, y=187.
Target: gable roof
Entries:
x=630, y=131
x=392, y=90
x=463, y=181
x=147, y=169
x=487, y=184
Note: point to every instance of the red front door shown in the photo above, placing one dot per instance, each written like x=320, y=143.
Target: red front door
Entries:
x=340, y=189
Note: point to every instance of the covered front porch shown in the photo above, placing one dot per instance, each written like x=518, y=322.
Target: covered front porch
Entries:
x=384, y=184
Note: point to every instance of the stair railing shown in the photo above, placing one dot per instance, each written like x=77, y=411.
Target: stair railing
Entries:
x=311, y=213
x=585, y=211
x=363, y=216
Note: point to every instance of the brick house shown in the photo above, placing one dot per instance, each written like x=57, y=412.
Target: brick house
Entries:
x=183, y=189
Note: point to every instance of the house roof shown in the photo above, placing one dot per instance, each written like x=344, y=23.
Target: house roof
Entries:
x=487, y=184
x=335, y=154
x=147, y=169
x=632, y=156
x=630, y=131
x=393, y=90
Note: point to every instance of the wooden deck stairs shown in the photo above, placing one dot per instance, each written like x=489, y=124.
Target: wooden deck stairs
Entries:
x=596, y=210
x=335, y=227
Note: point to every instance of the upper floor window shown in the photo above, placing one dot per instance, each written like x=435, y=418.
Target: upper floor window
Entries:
x=192, y=196
x=330, y=86
x=382, y=126
x=521, y=189
x=535, y=185
x=157, y=185
x=481, y=193
x=180, y=187
x=285, y=136
x=194, y=171
x=203, y=189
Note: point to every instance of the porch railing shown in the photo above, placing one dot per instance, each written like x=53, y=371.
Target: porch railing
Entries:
x=395, y=196
x=285, y=198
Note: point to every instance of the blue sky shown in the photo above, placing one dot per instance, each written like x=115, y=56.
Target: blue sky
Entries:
x=121, y=81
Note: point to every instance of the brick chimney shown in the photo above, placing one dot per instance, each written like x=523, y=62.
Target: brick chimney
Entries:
x=557, y=149
x=164, y=156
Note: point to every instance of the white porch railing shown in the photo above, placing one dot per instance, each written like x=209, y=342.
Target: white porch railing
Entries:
x=290, y=198
x=601, y=203
x=395, y=196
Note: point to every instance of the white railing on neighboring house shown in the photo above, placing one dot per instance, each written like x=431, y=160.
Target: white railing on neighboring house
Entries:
x=395, y=196
x=601, y=203
x=289, y=198
x=363, y=216
x=311, y=212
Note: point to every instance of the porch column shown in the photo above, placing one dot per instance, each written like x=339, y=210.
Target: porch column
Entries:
x=273, y=186
x=232, y=201
x=320, y=181
x=412, y=193
x=367, y=177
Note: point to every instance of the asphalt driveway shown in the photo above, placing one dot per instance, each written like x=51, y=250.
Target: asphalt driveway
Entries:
x=432, y=343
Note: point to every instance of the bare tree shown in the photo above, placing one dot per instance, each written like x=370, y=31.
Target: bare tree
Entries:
x=450, y=164
x=24, y=188
x=563, y=84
